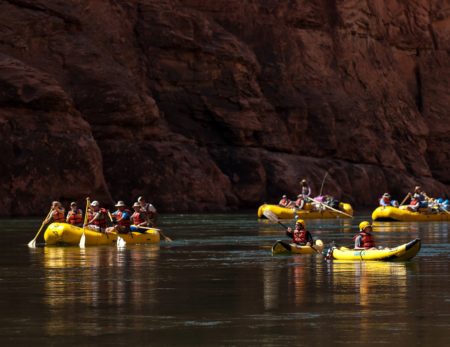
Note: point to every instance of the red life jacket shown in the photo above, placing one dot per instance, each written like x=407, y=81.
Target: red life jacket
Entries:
x=75, y=217
x=101, y=220
x=122, y=222
x=138, y=218
x=284, y=202
x=299, y=236
x=367, y=240
x=58, y=216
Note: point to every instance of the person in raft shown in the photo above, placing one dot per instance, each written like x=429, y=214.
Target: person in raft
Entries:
x=300, y=235
x=305, y=189
x=300, y=202
x=57, y=213
x=75, y=215
x=386, y=201
x=121, y=218
x=284, y=202
x=149, y=209
x=419, y=196
x=139, y=218
x=364, y=239
x=97, y=217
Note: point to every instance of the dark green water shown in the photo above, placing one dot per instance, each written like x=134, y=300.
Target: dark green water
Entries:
x=218, y=284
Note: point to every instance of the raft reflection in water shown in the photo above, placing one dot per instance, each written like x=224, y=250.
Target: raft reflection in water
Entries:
x=76, y=276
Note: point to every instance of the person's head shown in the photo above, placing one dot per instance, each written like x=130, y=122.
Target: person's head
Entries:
x=417, y=189
x=56, y=204
x=73, y=206
x=95, y=205
x=300, y=196
x=136, y=206
x=141, y=201
x=386, y=196
x=284, y=197
x=303, y=182
x=300, y=224
x=120, y=205
x=365, y=226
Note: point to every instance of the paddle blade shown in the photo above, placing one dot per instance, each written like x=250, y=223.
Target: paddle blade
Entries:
x=82, y=243
x=319, y=243
x=121, y=243
x=32, y=243
x=270, y=216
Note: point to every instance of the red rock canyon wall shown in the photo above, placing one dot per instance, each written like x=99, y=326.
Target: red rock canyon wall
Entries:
x=207, y=105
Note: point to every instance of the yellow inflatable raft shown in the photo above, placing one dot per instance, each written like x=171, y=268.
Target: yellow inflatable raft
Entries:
x=67, y=234
x=307, y=213
x=390, y=213
x=281, y=247
x=399, y=253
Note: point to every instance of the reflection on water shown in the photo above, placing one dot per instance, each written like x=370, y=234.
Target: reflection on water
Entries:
x=218, y=284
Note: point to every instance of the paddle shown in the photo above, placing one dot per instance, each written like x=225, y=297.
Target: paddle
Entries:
x=82, y=243
x=32, y=243
x=121, y=243
x=331, y=208
x=273, y=218
x=166, y=238
x=440, y=208
x=323, y=182
x=406, y=197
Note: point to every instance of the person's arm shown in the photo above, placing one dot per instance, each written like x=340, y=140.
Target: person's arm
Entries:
x=96, y=216
x=289, y=233
x=358, y=242
x=309, y=192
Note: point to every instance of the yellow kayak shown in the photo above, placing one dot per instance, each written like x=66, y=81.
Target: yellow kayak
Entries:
x=390, y=213
x=67, y=234
x=400, y=253
x=281, y=247
x=307, y=213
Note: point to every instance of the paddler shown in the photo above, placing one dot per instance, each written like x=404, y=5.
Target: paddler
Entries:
x=386, y=201
x=300, y=235
x=284, y=202
x=149, y=209
x=122, y=218
x=75, y=215
x=139, y=218
x=364, y=239
x=305, y=189
x=57, y=214
x=420, y=196
x=97, y=217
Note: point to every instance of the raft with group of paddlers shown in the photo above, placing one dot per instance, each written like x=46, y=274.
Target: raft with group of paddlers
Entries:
x=100, y=227
x=306, y=207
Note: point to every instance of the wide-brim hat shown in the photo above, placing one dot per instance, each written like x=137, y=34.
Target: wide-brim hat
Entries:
x=95, y=203
x=386, y=195
x=136, y=204
x=120, y=203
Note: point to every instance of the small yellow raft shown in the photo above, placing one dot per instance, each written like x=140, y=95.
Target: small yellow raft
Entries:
x=307, y=213
x=400, y=253
x=390, y=213
x=67, y=234
x=281, y=247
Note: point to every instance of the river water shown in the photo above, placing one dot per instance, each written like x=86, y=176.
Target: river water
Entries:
x=218, y=284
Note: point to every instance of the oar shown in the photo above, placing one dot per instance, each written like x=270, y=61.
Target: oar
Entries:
x=273, y=218
x=32, y=243
x=166, y=238
x=331, y=208
x=406, y=197
x=323, y=182
x=439, y=205
x=82, y=243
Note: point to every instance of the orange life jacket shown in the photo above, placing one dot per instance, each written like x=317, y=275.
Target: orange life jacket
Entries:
x=75, y=217
x=300, y=236
x=138, y=218
x=367, y=240
x=101, y=220
x=120, y=221
x=58, y=216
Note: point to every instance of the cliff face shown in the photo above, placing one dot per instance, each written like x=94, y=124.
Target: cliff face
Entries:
x=221, y=104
